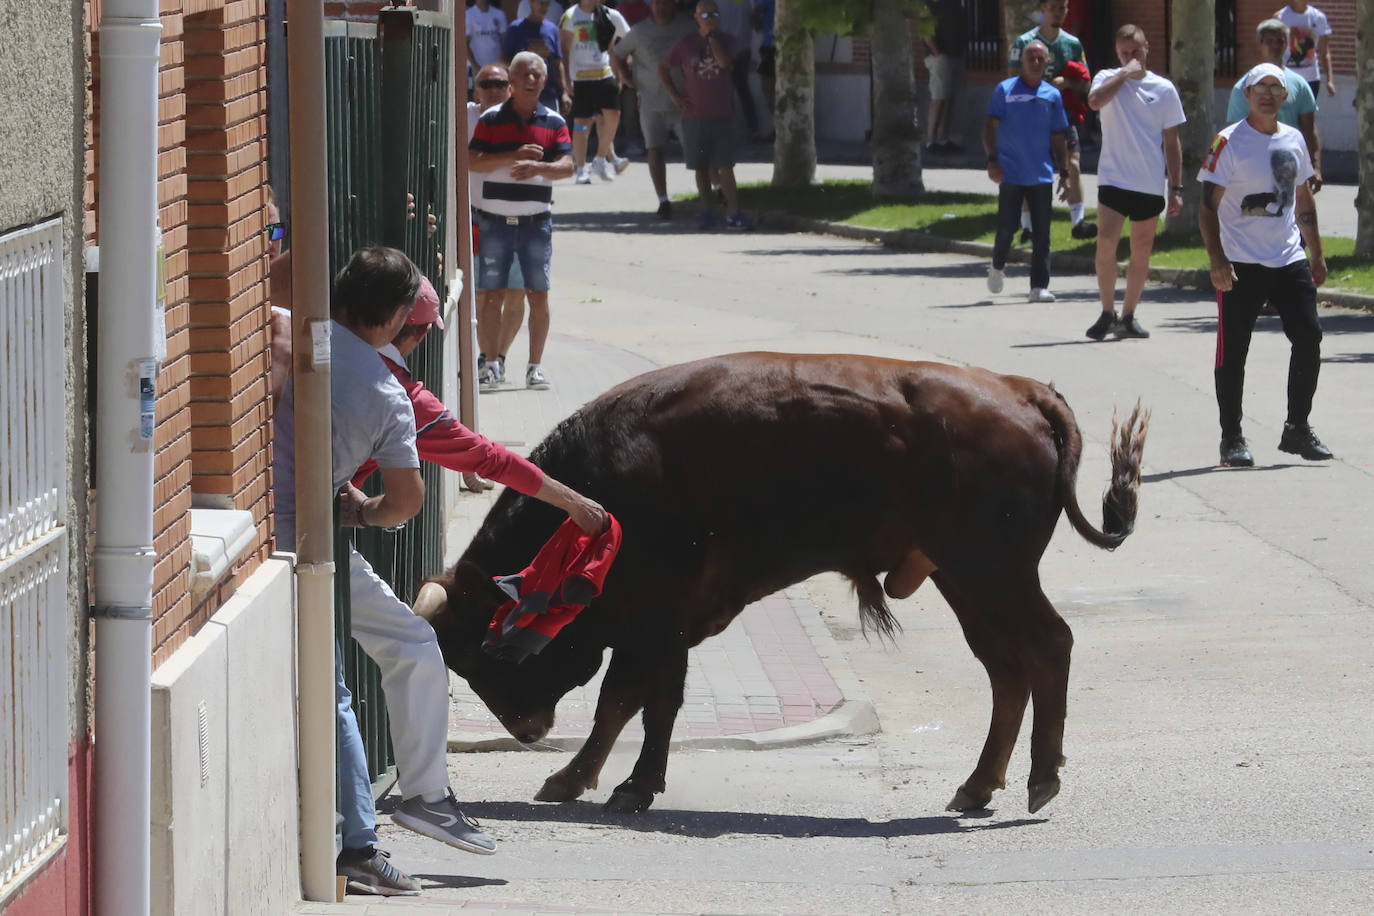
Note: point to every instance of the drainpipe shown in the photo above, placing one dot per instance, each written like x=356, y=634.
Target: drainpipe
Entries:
x=123, y=559
x=314, y=497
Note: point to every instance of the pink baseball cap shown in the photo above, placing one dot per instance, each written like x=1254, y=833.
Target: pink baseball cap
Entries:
x=426, y=310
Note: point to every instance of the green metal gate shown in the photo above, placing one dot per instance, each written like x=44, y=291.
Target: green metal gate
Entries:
x=388, y=92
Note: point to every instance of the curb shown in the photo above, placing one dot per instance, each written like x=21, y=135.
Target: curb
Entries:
x=915, y=240
x=850, y=718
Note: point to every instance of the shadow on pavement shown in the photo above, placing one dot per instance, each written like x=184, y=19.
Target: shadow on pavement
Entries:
x=431, y=881
x=1341, y=323
x=1214, y=469
x=711, y=824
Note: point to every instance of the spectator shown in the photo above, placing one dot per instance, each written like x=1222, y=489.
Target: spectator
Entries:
x=373, y=419
x=1299, y=109
x=643, y=48
x=764, y=14
x=1309, y=47
x=1063, y=48
x=279, y=292
x=442, y=440
x=553, y=14
x=634, y=11
x=945, y=64
x=1024, y=137
x=708, y=130
x=1257, y=214
x=592, y=86
x=486, y=27
x=522, y=147
x=1141, y=113
x=537, y=31
x=496, y=327
x=737, y=23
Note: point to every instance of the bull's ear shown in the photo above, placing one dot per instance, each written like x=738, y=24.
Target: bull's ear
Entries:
x=476, y=593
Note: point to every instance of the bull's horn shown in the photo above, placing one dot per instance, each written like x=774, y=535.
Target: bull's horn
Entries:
x=432, y=597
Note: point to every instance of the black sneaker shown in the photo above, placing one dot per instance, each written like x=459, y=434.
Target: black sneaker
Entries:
x=369, y=872
x=1127, y=326
x=1025, y=238
x=1301, y=440
x=1102, y=325
x=1084, y=229
x=665, y=209
x=1235, y=452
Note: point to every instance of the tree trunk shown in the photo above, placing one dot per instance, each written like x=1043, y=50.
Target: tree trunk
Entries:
x=1018, y=16
x=794, y=117
x=896, y=135
x=1364, y=122
x=1192, y=63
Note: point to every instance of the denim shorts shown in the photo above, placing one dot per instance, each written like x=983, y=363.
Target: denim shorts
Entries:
x=500, y=245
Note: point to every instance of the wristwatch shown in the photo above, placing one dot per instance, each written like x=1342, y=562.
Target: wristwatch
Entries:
x=1175, y=189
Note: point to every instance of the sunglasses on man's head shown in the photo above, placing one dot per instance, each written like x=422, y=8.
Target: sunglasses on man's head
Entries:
x=275, y=231
x=492, y=84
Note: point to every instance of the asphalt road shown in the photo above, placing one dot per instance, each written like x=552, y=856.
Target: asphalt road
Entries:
x=1219, y=741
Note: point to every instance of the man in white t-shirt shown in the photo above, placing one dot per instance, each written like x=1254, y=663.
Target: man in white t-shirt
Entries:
x=1257, y=214
x=486, y=29
x=592, y=86
x=1141, y=113
x=1309, y=46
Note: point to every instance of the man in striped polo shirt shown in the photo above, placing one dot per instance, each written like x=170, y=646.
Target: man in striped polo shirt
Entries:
x=520, y=148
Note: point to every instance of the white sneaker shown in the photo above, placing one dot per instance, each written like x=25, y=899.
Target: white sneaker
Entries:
x=498, y=369
x=1040, y=295
x=995, y=277
x=534, y=378
x=486, y=378
x=602, y=168
x=584, y=175
x=621, y=164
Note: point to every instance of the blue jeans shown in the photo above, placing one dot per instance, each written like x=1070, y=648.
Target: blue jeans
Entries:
x=355, y=806
x=499, y=244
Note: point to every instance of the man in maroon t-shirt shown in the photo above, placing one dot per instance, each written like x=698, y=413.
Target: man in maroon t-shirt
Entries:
x=707, y=104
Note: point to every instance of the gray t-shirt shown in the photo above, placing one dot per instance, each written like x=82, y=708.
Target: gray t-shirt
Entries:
x=649, y=42
x=371, y=417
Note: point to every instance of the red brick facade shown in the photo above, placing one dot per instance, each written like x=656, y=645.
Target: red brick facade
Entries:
x=213, y=420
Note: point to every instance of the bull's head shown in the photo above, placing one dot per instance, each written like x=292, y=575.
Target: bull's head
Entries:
x=460, y=605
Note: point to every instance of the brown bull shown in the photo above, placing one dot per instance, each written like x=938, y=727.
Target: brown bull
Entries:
x=715, y=470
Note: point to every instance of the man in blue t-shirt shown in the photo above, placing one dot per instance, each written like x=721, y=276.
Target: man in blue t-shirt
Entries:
x=1025, y=136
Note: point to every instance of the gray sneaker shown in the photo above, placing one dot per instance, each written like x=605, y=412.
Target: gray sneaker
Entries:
x=535, y=379
x=445, y=822
x=487, y=378
x=369, y=872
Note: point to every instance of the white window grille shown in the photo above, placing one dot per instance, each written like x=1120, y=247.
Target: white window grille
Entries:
x=33, y=548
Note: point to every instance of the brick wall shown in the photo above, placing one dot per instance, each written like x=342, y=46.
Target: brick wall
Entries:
x=213, y=419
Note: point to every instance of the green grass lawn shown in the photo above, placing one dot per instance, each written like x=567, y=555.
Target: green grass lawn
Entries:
x=973, y=218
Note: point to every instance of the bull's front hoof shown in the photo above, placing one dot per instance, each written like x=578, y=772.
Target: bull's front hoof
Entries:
x=557, y=788
x=1042, y=793
x=969, y=800
x=629, y=801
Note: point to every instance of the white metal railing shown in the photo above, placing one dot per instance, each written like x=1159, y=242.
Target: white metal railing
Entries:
x=34, y=628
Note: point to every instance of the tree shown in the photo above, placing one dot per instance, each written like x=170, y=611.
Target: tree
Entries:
x=1364, y=121
x=896, y=135
x=794, y=115
x=1018, y=17
x=1192, y=64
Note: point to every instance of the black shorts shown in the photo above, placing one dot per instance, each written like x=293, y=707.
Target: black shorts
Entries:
x=591, y=97
x=767, y=55
x=1132, y=204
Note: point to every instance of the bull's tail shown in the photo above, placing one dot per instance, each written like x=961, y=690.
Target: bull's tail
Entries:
x=873, y=609
x=1127, y=448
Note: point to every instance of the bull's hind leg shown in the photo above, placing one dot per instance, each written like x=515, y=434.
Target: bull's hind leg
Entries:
x=662, y=700
x=1010, y=692
x=1047, y=645
x=622, y=692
